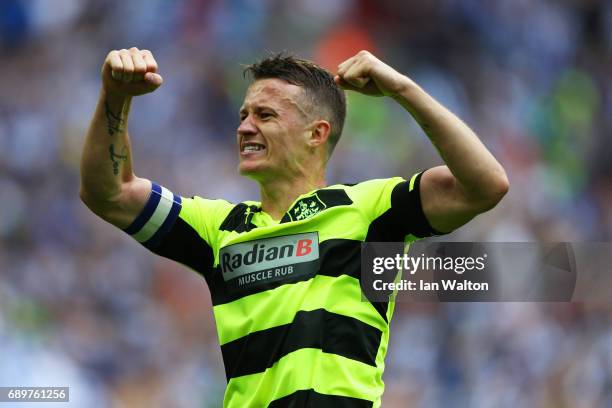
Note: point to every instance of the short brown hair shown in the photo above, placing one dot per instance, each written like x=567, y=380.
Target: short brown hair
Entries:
x=317, y=82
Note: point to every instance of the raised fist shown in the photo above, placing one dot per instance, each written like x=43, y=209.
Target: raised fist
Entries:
x=130, y=72
x=368, y=75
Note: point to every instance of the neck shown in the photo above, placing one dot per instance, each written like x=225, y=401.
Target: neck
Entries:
x=277, y=195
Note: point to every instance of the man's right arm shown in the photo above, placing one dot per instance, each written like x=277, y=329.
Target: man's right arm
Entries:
x=109, y=186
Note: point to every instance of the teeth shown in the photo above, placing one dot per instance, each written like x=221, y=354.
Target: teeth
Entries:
x=252, y=148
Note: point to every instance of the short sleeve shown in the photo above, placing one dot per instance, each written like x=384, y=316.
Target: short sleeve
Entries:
x=397, y=213
x=179, y=228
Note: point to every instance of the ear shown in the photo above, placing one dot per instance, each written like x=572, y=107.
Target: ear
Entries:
x=320, y=133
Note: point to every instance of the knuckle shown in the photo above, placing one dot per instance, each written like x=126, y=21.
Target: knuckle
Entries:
x=133, y=49
x=110, y=59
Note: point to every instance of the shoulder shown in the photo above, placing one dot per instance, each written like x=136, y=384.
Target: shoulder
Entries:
x=197, y=209
x=374, y=191
x=372, y=184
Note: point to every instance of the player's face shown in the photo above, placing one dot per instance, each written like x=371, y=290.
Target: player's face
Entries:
x=273, y=131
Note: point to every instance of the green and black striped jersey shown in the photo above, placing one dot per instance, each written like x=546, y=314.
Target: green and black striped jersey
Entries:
x=292, y=325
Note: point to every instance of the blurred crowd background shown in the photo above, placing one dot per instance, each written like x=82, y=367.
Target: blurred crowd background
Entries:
x=81, y=305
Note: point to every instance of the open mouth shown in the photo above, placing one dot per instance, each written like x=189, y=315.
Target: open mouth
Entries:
x=251, y=147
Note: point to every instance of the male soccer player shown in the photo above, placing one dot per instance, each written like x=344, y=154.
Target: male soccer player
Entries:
x=284, y=272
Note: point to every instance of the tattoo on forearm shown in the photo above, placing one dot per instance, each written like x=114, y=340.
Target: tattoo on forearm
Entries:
x=117, y=158
x=114, y=121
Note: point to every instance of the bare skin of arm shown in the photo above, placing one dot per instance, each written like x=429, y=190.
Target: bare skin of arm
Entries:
x=471, y=182
x=109, y=186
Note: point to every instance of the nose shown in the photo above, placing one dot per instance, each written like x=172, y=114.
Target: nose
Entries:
x=247, y=126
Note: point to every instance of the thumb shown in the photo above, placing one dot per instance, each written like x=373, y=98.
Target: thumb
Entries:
x=153, y=78
x=357, y=82
x=342, y=83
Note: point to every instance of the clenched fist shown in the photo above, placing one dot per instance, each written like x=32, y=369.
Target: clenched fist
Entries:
x=130, y=72
x=368, y=75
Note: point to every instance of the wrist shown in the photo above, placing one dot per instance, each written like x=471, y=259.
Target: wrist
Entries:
x=405, y=87
x=115, y=100
x=115, y=108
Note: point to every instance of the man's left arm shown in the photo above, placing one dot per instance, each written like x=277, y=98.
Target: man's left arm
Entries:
x=472, y=181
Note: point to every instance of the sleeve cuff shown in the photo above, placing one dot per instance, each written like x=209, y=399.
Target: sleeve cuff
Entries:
x=406, y=197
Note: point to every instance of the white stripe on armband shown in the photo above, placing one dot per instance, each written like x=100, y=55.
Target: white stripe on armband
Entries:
x=159, y=216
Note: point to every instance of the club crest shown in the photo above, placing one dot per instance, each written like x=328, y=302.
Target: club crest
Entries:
x=306, y=208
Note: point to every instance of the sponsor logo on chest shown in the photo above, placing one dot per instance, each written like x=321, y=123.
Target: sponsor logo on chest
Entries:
x=268, y=260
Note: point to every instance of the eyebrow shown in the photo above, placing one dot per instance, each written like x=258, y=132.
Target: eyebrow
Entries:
x=258, y=109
